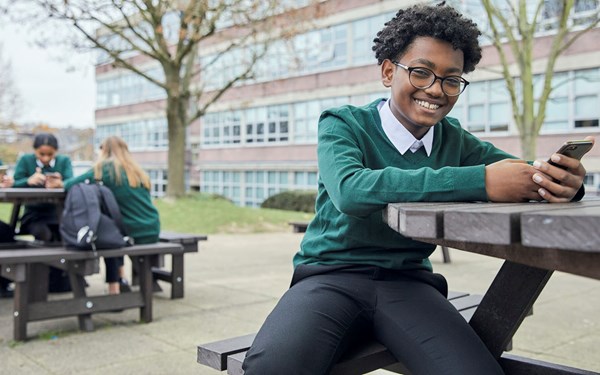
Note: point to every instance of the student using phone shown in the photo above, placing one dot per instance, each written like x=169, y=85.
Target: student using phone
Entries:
x=6, y=233
x=354, y=276
x=41, y=219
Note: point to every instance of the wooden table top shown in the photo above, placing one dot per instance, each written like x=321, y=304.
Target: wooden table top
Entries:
x=564, y=237
x=14, y=194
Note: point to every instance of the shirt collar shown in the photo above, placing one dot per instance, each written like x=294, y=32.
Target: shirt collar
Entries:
x=400, y=137
x=41, y=165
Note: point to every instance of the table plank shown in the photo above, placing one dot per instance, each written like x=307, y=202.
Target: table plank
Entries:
x=572, y=228
x=495, y=223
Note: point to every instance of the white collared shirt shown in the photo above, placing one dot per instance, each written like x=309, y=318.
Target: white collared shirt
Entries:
x=400, y=137
x=41, y=165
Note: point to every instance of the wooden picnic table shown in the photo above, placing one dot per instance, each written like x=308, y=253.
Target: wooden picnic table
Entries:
x=20, y=196
x=535, y=239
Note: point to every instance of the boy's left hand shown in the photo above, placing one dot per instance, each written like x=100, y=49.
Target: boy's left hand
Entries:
x=557, y=184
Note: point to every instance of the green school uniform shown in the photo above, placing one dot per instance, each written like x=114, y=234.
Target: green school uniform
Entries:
x=140, y=217
x=26, y=166
x=360, y=172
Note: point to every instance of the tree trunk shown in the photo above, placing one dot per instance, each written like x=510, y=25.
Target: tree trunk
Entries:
x=177, y=136
x=528, y=144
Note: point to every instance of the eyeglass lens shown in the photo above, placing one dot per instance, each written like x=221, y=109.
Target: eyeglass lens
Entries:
x=424, y=78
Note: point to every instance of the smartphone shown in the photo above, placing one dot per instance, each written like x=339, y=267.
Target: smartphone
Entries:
x=3, y=170
x=52, y=174
x=573, y=149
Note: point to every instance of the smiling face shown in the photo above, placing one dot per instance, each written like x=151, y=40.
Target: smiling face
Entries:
x=420, y=109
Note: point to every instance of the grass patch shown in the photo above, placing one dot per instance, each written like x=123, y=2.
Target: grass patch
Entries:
x=210, y=214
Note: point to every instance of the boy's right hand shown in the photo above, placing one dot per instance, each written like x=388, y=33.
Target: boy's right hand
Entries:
x=510, y=180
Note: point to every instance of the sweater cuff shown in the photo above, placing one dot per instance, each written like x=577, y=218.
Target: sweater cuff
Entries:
x=469, y=184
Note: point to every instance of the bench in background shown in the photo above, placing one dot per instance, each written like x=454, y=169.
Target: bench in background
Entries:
x=229, y=354
x=21, y=264
x=174, y=276
x=298, y=226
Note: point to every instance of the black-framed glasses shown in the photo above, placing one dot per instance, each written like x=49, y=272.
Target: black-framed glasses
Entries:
x=423, y=78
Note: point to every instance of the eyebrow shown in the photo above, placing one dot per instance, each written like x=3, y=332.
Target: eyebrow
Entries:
x=431, y=65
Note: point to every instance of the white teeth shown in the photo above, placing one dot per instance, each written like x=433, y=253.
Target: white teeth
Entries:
x=427, y=105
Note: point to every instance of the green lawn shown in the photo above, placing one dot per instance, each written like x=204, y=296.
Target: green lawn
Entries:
x=204, y=214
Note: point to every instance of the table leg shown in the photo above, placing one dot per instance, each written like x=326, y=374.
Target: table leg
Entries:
x=176, y=276
x=495, y=320
x=21, y=303
x=78, y=286
x=14, y=216
x=38, y=289
x=145, y=279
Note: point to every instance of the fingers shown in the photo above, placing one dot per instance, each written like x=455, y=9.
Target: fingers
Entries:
x=557, y=184
x=591, y=138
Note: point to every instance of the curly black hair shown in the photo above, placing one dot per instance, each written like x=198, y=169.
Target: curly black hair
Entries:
x=441, y=22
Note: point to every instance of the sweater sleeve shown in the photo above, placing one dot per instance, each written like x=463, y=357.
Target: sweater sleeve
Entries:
x=66, y=167
x=359, y=191
x=22, y=172
x=89, y=175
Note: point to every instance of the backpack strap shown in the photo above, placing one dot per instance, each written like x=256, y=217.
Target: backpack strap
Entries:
x=109, y=205
x=84, y=194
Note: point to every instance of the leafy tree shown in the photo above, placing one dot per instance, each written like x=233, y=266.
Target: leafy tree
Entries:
x=513, y=26
x=171, y=33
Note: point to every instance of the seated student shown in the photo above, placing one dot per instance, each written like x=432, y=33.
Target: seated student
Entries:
x=44, y=168
x=354, y=276
x=131, y=187
x=6, y=235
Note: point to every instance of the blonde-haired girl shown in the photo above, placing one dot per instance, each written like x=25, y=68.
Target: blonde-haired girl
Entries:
x=118, y=171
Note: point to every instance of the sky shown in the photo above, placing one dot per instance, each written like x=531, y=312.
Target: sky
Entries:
x=54, y=91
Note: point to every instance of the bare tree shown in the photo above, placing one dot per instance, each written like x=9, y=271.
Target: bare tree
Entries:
x=171, y=33
x=10, y=100
x=514, y=24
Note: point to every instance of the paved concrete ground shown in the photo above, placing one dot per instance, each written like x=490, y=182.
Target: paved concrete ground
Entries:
x=232, y=284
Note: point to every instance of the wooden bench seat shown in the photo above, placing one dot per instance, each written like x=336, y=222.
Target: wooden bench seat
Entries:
x=229, y=354
x=298, y=226
x=174, y=276
x=21, y=264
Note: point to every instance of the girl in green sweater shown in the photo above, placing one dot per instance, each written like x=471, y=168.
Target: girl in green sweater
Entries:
x=355, y=277
x=44, y=168
x=118, y=171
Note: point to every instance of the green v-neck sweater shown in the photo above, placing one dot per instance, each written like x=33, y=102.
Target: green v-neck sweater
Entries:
x=360, y=172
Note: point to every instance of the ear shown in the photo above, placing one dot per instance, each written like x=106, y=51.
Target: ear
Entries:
x=387, y=72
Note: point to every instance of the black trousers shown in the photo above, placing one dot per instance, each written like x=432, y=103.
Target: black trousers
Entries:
x=112, y=268
x=329, y=307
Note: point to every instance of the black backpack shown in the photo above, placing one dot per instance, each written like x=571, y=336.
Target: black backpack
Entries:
x=91, y=219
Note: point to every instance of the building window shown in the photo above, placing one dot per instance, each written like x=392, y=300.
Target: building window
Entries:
x=587, y=94
x=126, y=88
x=139, y=135
x=251, y=187
x=158, y=182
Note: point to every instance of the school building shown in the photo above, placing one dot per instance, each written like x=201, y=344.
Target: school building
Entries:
x=260, y=137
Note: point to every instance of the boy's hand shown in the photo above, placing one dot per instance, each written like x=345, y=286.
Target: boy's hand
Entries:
x=511, y=180
x=558, y=184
